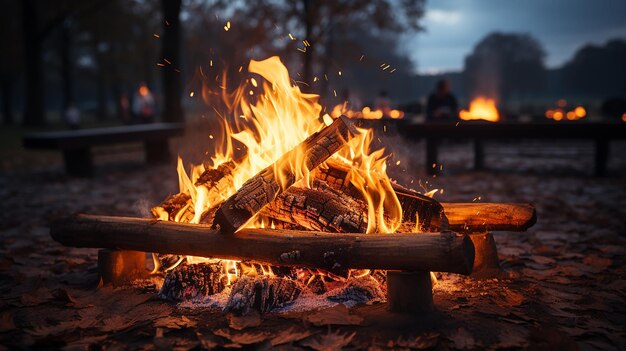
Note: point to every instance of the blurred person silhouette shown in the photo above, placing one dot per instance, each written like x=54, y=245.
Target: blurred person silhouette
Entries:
x=144, y=106
x=72, y=116
x=383, y=103
x=442, y=104
x=124, y=109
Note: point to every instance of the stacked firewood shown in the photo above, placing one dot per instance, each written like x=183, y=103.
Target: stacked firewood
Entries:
x=330, y=204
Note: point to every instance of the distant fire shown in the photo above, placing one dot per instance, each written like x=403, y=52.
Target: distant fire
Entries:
x=366, y=112
x=481, y=108
x=561, y=112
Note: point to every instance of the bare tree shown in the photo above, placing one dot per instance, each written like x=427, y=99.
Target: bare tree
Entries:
x=503, y=65
x=172, y=109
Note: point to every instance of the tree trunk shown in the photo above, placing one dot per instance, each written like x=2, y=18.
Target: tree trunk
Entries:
x=7, y=99
x=67, y=79
x=172, y=109
x=308, y=17
x=34, y=111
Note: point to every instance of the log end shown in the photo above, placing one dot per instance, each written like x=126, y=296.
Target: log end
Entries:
x=229, y=220
x=464, y=252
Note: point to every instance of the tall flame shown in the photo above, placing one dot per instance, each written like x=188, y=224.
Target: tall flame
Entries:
x=269, y=116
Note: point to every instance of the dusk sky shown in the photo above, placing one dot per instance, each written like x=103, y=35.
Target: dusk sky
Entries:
x=453, y=27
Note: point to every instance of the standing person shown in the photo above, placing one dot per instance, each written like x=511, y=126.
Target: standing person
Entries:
x=124, y=109
x=144, y=106
x=442, y=104
x=72, y=116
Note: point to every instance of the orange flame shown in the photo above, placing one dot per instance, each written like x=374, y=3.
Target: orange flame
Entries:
x=481, y=108
x=269, y=116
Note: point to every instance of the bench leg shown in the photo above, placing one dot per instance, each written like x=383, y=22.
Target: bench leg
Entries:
x=479, y=154
x=157, y=151
x=78, y=162
x=431, y=155
x=601, y=157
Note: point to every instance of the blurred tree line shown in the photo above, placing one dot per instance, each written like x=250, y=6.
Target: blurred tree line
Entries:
x=91, y=53
x=510, y=66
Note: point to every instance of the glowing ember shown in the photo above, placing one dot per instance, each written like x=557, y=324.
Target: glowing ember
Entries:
x=481, y=108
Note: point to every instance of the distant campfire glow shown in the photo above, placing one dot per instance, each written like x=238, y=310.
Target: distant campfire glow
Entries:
x=562, y=113
x=481, y=109
x=366, y=113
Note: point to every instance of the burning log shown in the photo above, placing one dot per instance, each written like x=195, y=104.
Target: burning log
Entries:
x=192, y=281
x=481, y=217
x=415, y=206
x=263, y=188
x=439, y=252
x=261, y=293
x=321, y=208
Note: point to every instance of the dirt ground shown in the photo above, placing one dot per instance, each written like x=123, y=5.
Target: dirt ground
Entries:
x=566, y=287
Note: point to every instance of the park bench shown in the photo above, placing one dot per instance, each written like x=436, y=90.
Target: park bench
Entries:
x=480, y=131
x=76, y=144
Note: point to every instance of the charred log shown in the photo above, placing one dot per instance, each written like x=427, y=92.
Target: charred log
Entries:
x=261, y=293
x=359, y=290
x=264, y=187
x=193, y=281
x=415, y=206
x=321, y=208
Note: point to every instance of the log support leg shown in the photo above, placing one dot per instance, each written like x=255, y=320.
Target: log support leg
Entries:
x=431, y=155
x=118, y=267
x=78, y=162
x=157, y=151
x=479, y=154
x=601, y=157
x=486, y=263
x=409, y=292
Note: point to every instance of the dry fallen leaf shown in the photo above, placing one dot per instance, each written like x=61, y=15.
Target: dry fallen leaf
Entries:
x=251, y=319
x=419, y=342
x=336, y=315
x=242, y=338
x=175, y=323
x=285, y=336
x=6, y=322
x=63, y=296
x=328, y=342
x=462, y=339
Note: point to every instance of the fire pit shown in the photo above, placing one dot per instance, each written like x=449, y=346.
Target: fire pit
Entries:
x=305, y=208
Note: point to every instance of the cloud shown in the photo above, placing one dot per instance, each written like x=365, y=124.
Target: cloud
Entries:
x=447, y=17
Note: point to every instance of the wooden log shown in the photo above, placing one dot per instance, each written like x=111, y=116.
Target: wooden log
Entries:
x=409, y=292
x=263, y=188
x=439, y=252
x=415, y=206
x=193, y=281
x=320, y=208
x=481, y=217
x=261, y=293
x=486, y=262
x=118, y=267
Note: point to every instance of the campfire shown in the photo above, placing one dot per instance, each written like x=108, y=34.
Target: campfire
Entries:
x=291, y=206
x=481, y=109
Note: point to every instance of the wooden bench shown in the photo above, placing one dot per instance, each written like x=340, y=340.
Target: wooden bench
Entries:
x=76, y=144
x=479, y=131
